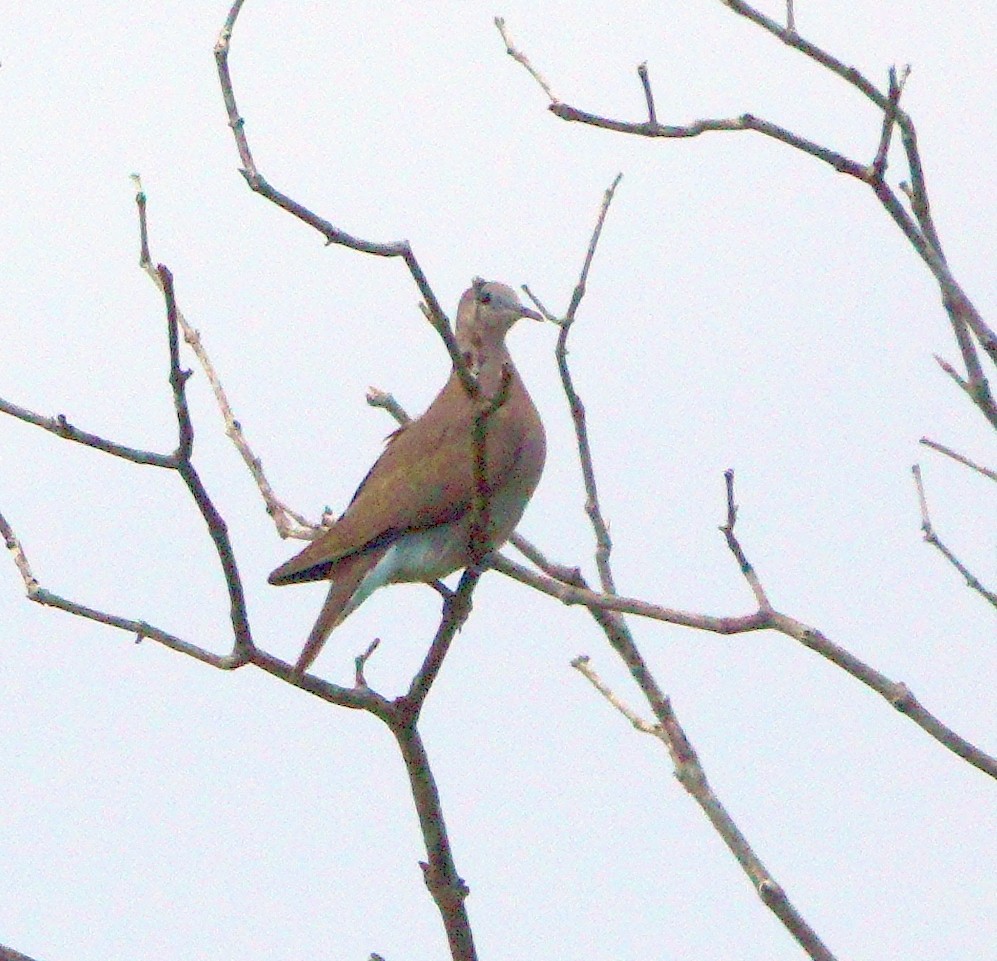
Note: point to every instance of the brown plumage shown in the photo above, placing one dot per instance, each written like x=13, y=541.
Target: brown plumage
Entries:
x=410, y=518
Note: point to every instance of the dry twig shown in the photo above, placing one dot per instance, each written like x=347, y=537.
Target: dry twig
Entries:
x=916, y=224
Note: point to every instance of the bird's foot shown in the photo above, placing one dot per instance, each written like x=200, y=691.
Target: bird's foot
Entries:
x=442, y=590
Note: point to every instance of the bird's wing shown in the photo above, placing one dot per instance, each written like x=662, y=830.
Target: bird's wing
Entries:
x=424, y=477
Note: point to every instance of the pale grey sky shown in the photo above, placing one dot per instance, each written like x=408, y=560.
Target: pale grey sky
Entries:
x=748, y=308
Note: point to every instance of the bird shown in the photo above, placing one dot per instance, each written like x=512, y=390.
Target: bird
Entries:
x=411, y=518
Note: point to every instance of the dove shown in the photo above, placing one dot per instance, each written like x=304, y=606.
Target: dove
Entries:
x=411, y=518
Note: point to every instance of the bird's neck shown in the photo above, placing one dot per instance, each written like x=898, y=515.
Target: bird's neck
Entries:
x=485, y=359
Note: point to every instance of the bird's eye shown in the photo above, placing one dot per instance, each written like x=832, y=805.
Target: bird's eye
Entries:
x=485, y=298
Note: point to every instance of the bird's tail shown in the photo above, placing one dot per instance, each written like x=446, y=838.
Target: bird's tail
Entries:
x=349, y=573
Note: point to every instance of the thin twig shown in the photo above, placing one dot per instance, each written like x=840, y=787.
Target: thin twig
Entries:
x=604, y=544
x=333, y=235
x=144, y=257
x=889, y=121
x=61, y=427
x=931, y=537
x=287, y=521
x=521, y=58
x=734, y=545
x=645, y=82
x=386, y=401
x=360, y=662
x=979, y=396
x=583, y=664
x=962, y=459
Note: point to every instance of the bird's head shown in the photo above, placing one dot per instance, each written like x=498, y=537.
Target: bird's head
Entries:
x=487, y=310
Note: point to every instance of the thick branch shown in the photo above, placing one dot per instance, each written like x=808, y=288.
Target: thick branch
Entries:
x=440, y=873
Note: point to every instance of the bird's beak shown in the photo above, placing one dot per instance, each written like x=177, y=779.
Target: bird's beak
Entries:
x=532, y=314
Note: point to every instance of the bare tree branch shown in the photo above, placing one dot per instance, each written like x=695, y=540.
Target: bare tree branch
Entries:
x=140, y=629
x=61, y=427
x=180, y=461
x=217, y=527
x=688, y=768
x=522, y=59
x=604, y=544
x=918, y=226
x=692, y=777
x=948, y=452
x=895, y=693
x=445, y=885
x=333, y=234
x=288, y=522
x=931, y=537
